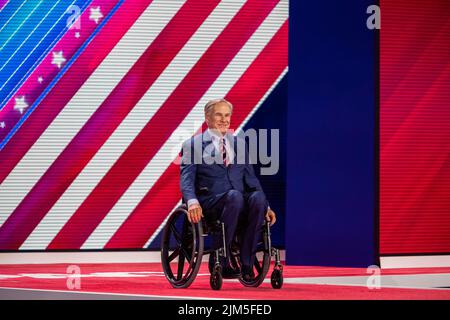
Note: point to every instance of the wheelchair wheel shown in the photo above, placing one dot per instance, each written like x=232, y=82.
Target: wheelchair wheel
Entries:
x=181, y=249
x=260, y=268
x=215, y=279
x=276, y=279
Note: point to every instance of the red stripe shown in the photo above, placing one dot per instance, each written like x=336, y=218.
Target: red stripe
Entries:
x=27, y=215
x=161, y=126
x=164, y=195
x=414, y=128
x=107, y=117
x=69, y=84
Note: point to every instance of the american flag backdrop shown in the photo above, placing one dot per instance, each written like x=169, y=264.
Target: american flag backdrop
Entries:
x=96, y=98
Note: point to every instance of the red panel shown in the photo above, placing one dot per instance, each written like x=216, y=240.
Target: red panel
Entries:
x=415, y=127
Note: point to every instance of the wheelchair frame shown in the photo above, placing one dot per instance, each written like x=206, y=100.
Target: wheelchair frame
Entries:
x=183, y=241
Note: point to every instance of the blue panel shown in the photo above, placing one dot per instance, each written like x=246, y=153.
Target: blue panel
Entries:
x=331, y=135
x=21, y=22
x=7, y=14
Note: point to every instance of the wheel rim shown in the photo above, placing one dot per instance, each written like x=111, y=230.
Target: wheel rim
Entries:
x=182, y=249
x=260, y=268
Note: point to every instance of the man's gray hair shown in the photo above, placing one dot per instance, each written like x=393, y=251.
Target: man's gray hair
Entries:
x=211, y=103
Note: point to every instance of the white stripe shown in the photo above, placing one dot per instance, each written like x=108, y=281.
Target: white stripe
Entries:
x=130, y=127
x=395, y=262
x=404, y=281
x=17, y=10
x=20, y=26
x=121, y=295
x=83, y=104
x=29, y=35
x=164, y=157
x=46, y=257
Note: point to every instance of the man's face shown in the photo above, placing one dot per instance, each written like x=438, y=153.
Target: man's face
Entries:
x=219, y=118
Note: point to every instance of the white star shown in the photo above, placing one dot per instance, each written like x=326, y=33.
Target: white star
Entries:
x=77, y=34
x=2, y=124
x=95, y=14
x=40, y=79
x=58, y=58
x=21, y=104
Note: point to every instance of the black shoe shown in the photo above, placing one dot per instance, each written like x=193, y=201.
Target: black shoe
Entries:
x=247, y=273
x=230, y=273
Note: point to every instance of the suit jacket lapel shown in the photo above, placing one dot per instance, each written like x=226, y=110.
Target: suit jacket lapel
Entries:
x=206, y=140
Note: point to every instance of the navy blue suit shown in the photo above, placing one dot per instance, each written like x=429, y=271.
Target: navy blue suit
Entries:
x=228, y=193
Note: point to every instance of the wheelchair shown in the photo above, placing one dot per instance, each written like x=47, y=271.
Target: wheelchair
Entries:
x=183, y=248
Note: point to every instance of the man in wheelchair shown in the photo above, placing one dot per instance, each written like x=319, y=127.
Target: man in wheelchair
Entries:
x=218, y=182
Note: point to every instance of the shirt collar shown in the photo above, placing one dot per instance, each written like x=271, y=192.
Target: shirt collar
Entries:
x=214, y=135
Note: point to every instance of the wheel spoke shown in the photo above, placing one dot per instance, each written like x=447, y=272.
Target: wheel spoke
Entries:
x=186, y=254
x=180, y=266
x=258, y=265
x=176, y=234
x=174, y=254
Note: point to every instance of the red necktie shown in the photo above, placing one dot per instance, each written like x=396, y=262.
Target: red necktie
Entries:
x=224, y=153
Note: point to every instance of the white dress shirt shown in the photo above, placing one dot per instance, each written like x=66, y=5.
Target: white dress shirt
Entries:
x=217, y=140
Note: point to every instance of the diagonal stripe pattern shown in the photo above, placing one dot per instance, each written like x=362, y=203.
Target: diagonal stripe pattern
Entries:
x=99, y=164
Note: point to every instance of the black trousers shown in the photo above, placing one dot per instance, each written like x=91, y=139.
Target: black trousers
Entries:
x=247, y=209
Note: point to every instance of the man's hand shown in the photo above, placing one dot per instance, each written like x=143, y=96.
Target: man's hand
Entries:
x=271, y=217
x=195, y=213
